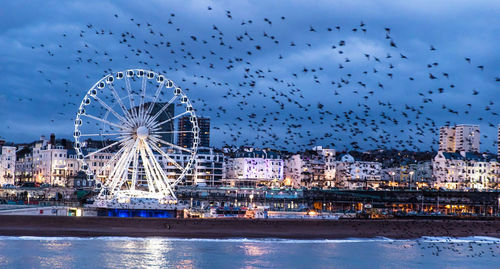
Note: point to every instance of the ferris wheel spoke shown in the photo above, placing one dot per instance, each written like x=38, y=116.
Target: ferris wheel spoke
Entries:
x=171, y=119
x=105, y=134
x=165, y=155
x=173, y=132
x=103, y=121
x=113, y=177
x=120, y=102
x=155, y=171
x=179, y=179
x=143, y=95
x=164, y=186
x=130, y=97
x=155, y=99
x=112, y=160
x=102, y=149
x=147, y=168
x=108, y=108
x=135, y=165
x=152, y=119
x=155, y=139
x=122, y=169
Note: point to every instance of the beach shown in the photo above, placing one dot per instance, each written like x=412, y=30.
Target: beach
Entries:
x=244, y=228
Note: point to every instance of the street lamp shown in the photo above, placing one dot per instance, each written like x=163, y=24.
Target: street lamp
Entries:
x=236, y=199
x=251, y=198
x=411, y=177
x=498, y=205
x=393, y=174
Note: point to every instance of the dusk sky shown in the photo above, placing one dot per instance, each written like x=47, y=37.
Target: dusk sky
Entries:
x=281, y=74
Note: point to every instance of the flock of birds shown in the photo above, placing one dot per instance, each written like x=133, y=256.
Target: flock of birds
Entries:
x=266, y=88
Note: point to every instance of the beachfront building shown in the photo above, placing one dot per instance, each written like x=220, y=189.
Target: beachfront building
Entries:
x=207, y=170
x=7, y=165
x=408, y=175
x=250, y=167
x=463, y=137
x=100, y=164
x=311, y=168
x=24, y=165
x=209, y=167
x=49, y=163
x=353, y=174
x=465, y=170
x=185, y=138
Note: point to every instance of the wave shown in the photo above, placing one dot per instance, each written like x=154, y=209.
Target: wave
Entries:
x=469, y=239
x=426, y=239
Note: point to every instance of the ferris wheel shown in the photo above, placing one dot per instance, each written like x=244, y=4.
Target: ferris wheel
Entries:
x=125, y=132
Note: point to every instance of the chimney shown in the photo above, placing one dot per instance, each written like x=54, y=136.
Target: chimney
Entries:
x=52, y=139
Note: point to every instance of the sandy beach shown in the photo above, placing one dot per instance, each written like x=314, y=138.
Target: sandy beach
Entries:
x=238, y=228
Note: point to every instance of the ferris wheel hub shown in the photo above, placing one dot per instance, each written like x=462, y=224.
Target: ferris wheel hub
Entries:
x=142, y=132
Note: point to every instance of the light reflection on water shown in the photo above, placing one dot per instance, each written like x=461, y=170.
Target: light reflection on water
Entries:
x=178, y=253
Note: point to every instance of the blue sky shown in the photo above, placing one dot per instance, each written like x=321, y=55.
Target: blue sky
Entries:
x=48, y=64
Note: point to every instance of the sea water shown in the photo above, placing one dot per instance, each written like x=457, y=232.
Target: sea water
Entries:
x=124, y=252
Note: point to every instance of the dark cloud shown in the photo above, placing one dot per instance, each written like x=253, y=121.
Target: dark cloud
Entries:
x=38, y=91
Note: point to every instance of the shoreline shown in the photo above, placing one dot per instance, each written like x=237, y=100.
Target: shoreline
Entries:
x=51, y=226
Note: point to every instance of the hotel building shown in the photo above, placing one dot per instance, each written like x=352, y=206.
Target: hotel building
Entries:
x=461, y=137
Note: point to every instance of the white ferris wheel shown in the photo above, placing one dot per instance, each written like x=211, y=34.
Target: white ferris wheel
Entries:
x=125, y=132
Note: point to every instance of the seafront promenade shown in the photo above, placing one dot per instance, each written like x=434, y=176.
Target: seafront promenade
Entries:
x=245, y=228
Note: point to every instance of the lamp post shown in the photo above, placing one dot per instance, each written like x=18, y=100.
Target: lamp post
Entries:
x=498, y=213
x=251, y=199
x=411, y=177
x=236, y=199
x=393, y=173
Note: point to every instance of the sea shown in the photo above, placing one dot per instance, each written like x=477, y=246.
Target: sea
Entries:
x=126, y=252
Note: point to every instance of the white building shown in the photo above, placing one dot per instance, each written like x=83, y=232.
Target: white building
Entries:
x=7, y=165
x=249, y=167
x=447, y=139
x=24, y=165
x=352, y=174
x=49, y=163
x=413, y=175
x=312, y=168
x=101, y=164
x=465, y=170
x=207, y=170
x=461, y=137
x=209, y=167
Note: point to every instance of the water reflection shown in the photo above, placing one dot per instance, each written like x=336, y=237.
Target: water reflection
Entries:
x=184, y=254
x=156, y=251
x=253, y=250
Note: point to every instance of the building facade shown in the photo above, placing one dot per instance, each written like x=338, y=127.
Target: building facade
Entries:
x=207, y=170
x=250, y=167
x=50, y=163
x=353, y=174
x=412, y=175
x=312, y=168
x=24, y=165
x=185, y=137
x=463, y=137
x=447, y=139
x=465, y=170
x=7, y=165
